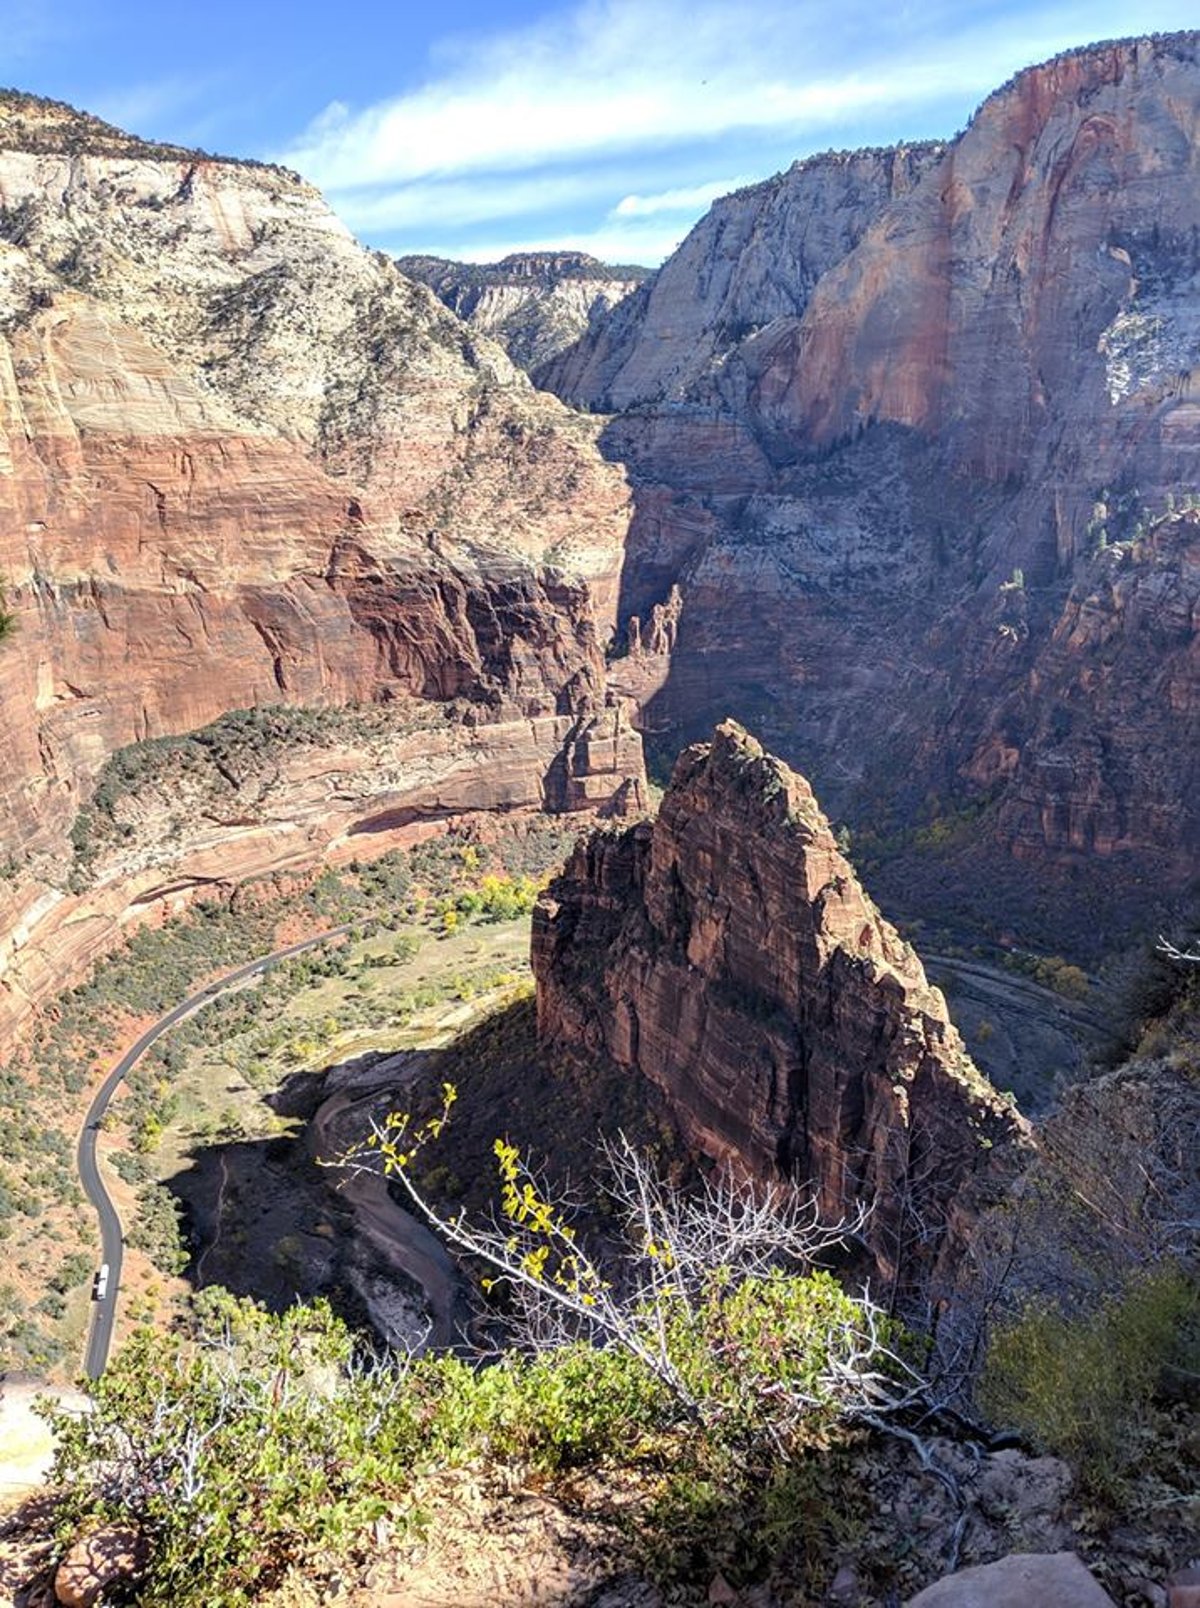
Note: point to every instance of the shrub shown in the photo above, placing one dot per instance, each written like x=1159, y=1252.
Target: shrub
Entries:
x=157, y=1231
x=255, y=1449
x=1083, y=1385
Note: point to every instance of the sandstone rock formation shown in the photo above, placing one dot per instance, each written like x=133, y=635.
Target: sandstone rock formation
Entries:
x=245, y=461
x=882, y=415
x=99, y=1563
x=535, y=303
x=1099, y=743
x=754, y=258
x=1018, y=1581
x=728, y=953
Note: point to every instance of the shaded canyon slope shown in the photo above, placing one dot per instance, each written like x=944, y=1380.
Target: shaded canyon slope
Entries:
x=535, y=303
x=245, y=461
x=909, y=433
x=727, y=952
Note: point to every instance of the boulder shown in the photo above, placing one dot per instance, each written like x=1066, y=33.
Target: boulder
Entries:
x=1022, y=1580
x=97, y=1561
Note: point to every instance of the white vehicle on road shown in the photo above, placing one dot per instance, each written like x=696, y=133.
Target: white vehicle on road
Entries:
x=100, y=1287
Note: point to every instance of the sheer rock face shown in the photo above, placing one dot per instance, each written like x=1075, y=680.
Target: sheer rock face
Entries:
x=755, y=257
x=978, y=361
x=1099, y=743
x=1041, y=274
x=244, y=460
x=728, y=953
x=535, y=304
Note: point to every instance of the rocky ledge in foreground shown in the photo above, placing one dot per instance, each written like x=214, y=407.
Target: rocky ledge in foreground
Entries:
x=727, y=952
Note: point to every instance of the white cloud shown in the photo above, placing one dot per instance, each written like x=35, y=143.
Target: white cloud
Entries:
x=606, y=76
x=687, y=199
x=453, y=203
x=605, y=114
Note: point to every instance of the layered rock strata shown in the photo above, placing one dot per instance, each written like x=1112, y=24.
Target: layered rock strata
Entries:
x=176, y=836
x=245, y=461
x=727, y=953
x=1098, y=745
x=535, y=303
x=882, y=419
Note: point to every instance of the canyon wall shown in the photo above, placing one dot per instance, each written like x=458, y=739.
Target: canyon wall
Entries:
x=535, y=303
x=755, y=257
x=877, y=489
x=245, y=461
x=727, y=952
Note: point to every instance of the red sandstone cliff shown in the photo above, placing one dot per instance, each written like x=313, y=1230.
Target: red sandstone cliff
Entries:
x=243, y=460
x=728, y=953
x=1099, y=743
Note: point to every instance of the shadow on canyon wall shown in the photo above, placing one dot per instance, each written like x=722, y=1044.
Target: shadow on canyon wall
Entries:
x=855, y=608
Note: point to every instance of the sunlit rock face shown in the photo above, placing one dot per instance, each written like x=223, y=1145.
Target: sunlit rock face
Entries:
x=893, y=420
x=243, y=461
x=536, y=304
x=756, y=257
x=727, y=953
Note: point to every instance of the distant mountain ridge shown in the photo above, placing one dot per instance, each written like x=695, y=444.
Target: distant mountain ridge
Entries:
x=38, y=124
x=535, y=303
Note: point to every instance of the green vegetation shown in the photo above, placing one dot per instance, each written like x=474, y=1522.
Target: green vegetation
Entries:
x=1121, y=520
x=258, y=1444
x=205, y=1080
x=156, y=1229
x=940, y=825
x=212, y=762
x=249, y=1445
x=8, y=620
x=444, y=275
x=1051, y=971
x=1097, y=1387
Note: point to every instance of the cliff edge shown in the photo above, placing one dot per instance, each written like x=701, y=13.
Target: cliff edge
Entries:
x=728, y=953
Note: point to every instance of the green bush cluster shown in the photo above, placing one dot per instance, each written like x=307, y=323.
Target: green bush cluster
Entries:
x=1087, y=1385
x=495, y=898
x=157, y=1229
x=259, y=1443
x=264, y=1442
x=1052, y=971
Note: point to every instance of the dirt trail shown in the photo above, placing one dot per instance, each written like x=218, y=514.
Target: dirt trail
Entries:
x=26, y=1444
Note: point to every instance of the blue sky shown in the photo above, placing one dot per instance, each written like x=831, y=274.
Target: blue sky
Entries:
x=480, y=128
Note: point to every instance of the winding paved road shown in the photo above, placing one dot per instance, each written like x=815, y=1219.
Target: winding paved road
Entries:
x=104, y=1310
